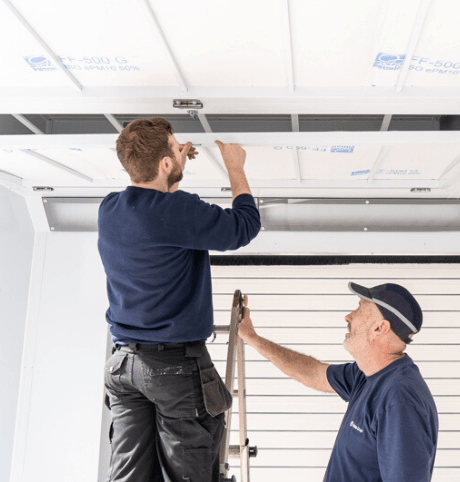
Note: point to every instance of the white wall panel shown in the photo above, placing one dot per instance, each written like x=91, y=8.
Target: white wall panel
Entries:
x=16, y=246
x=303, y=308
x=64, y=413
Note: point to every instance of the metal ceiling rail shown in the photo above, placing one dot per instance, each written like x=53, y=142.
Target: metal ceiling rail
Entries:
x=386, y=122
x=234, y=100
x=10, y=178
x=250, y=139
x=204, y=122
x=23, y=120
x=114, y=122
x=415, y=35
x=295, y=152
x=59, y=65
x=56, y=164
x=287, y=38
x=164, y=42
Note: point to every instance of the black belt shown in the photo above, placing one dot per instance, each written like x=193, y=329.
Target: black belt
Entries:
x=157, y=347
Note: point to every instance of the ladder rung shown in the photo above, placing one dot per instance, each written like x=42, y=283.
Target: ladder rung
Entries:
x=235, y=393
x=221, y=328
x=234, y=451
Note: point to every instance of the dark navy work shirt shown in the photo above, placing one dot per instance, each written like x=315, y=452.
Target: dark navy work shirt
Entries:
x=389, y=432
x=154, y=248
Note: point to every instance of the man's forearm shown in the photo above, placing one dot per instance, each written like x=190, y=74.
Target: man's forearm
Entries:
x=238, y=182
x=305, y=369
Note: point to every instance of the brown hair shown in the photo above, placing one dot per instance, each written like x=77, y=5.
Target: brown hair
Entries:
x=141, y=145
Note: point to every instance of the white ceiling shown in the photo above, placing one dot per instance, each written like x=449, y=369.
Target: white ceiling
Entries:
x=378, y=57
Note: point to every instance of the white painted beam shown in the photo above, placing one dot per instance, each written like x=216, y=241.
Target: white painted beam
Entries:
x=386, y=122
x=114, y=122
x=234, y=100
x=415, y=35
x=57, y=62
x=164, y=41
x=378, y=163
x=56, y=164
x=287, y=39
x=252, y=139
x=23, y=120
x=215, y=162
x=204, y=122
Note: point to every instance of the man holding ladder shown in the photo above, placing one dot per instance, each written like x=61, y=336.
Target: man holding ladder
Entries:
x=167, y=400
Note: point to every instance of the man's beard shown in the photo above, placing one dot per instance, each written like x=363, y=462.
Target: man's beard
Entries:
x=176, y=175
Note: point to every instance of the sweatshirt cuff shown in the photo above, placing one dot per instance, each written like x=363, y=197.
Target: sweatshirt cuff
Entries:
x=243, y=199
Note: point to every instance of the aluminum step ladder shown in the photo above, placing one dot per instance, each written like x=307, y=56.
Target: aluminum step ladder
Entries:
x=235, y=351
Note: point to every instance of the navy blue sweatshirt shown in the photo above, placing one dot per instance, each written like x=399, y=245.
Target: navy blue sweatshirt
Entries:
x=154, y=248
x=390, y=430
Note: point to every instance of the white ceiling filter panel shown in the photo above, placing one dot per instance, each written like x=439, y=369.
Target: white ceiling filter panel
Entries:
x=80, y=160
x=265, y=163
x=202, y=168
x=102, y=43
x=417, y=162
x=226, y=43
x=35, y=171
x=23, y=61
x=437, y=56
x=337, y=162
x=332, y=41
x=393, y=31
x=105, y=162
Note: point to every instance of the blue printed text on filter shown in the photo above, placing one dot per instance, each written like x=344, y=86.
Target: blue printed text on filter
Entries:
x=93, y=60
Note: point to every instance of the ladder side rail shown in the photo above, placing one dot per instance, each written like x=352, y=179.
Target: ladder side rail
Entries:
x=244, y=442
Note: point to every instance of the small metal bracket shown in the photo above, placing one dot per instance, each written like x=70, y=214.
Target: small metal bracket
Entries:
x=193, y=114
x=187, y=104
x=43, y=188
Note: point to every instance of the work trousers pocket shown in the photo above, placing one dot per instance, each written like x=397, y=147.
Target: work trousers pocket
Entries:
x=217, y=398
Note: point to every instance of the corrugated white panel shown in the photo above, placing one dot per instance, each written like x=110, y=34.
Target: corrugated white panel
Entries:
x=303, y=308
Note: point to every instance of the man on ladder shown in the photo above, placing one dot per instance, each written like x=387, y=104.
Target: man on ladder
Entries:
x=167, y=400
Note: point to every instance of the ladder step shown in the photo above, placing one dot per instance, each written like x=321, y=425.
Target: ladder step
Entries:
x=221, y=328
x=235, y=393
x=234, y=451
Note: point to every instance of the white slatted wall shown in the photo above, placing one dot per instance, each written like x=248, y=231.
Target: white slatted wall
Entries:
x=303, y=308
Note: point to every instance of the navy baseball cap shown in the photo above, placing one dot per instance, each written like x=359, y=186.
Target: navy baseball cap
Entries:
x=397, y=306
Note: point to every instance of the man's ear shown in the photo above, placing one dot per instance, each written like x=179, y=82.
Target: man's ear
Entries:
x=166, y=165
x=381, y=328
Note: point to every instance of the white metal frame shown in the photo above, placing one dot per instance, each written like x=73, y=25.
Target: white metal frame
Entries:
x=234, y=100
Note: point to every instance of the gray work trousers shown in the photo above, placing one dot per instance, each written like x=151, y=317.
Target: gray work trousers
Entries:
x=167, y=404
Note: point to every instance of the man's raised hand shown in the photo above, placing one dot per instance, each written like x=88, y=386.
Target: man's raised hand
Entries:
x=233, y=155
